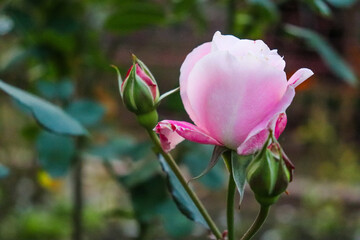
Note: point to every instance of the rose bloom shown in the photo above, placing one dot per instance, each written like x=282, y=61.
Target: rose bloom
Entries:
x=235, y=91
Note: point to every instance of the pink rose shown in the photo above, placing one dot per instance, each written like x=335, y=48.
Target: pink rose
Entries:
x=234, y=91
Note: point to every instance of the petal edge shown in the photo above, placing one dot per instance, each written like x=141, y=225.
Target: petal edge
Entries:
x=172, y=133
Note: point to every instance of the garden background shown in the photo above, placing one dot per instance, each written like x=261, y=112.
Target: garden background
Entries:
x=62, y=50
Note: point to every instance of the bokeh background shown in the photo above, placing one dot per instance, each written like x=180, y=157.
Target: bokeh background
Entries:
x=61, y=50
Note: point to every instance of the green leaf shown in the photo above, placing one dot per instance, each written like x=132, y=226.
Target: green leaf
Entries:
x=86, y=111
x=55, y=153
x=4, y=171
x=47, y=115
x=180, y=196
x=327, y=53
x=342, y=3
x=239, y=166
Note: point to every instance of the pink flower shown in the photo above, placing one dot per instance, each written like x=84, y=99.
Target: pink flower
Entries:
x=234, y=91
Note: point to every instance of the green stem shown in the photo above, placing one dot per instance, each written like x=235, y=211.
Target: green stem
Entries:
x=264, y=210
x=230, y=206
x=174, y=167
x=78, y=198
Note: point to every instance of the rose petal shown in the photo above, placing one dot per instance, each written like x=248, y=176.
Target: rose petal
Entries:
x=223, y=42
x=255, y=142
x=230, y=96
x=271, y=121
x=280, y=124
x=300, y=76
x=173, y=132
x=189, y=63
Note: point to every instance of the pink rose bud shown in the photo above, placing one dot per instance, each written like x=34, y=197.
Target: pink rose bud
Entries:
x=139, y=90
x=235, y=91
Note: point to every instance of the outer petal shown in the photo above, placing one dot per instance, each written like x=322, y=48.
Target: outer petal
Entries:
x=280, y=125
x=173, y=132
x=277, y=117
x=189, y=63
x=256, y=141
x=230, y=96
x=300, y=76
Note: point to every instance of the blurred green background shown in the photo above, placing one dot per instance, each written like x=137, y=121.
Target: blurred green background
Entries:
x=61, y=50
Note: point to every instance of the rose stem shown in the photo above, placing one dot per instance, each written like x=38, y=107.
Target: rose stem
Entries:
x=264, y=210
x=174, y=167
x=230, y=197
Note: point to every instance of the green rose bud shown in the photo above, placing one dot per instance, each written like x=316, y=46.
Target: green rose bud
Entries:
x=139, y=90
x=140, y=93
x=269, y=174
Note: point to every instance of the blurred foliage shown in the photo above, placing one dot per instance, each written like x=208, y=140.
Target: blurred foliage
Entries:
x=48, y=115
x=4, y=171
x=60, y=50
x=55, y=153
x=259, y=17
x=46, y=223
x=329, y=56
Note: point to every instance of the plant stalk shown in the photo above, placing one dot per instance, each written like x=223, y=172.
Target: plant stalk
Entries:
x=77, y=200
x=230, y=207
x=264, y=210
x=230, y=197
x=174, y=167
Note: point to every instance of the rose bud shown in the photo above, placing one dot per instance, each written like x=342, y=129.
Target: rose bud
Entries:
x=139, y=89
x=268, y=174
x=140, y=93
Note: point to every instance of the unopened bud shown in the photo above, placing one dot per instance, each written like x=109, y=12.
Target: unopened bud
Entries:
x=268, y=175
x=139, y=90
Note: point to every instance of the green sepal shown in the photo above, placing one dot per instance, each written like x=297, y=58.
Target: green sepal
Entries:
x=120, y=81
x=128, y=91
